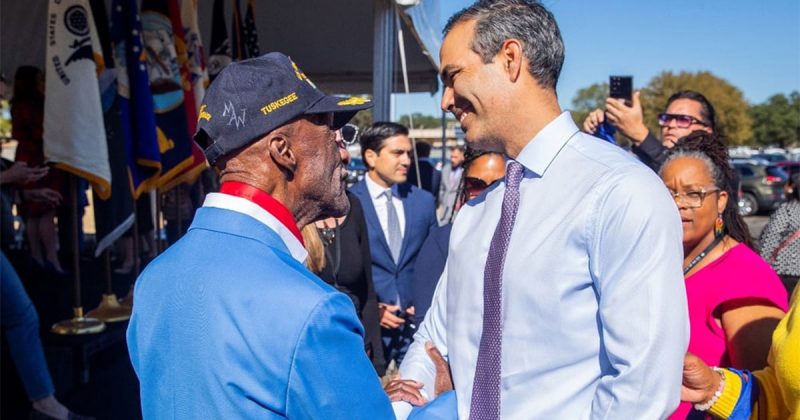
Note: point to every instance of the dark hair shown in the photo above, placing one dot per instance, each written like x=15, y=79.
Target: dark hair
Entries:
x=709, y=148
x=26, y=84
x=373, y=137
x=794, y=182
x=470, y=156
x=423, y=149
x=524, y=20
x=706, y=109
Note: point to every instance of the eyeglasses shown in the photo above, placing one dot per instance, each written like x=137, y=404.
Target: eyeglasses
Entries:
x=692, y=199
x=349, y=134
x=681, y=121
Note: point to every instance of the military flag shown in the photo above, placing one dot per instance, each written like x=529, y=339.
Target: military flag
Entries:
x=220, y=44
x=249, y=30
x=137, y=115
x=198, y=161
x=74, y=134
x=113, y=216
x=238, y=49
x=194, y=50
x=166, y=84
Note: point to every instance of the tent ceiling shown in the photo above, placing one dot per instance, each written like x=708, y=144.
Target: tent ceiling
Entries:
x=330, y=40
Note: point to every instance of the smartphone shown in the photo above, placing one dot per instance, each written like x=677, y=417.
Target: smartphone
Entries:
x=621, y=87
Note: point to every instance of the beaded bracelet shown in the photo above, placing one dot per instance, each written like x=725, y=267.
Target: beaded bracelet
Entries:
x=706, y=405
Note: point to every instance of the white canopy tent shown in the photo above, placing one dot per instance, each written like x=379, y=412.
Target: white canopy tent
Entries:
x=345, y=46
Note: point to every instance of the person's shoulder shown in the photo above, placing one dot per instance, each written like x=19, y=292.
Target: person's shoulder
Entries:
x=412, y=192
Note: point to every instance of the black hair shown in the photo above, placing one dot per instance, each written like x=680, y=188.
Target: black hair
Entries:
x=374, y=136
x=525, y=20
x=709, y=148
x=706, y=109
x=423, y=149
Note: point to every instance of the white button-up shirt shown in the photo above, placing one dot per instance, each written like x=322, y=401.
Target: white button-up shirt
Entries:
x=379, y=201
x=594, y=306
x=245, y=206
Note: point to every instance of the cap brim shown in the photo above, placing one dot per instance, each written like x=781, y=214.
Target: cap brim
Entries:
x=343, y=109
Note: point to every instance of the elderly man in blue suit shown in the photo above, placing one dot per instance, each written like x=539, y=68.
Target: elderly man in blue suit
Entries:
x=398, y=219
x=228, y=323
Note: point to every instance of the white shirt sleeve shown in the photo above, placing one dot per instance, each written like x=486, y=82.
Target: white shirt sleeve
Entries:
x=636, y=259
x=416, y=363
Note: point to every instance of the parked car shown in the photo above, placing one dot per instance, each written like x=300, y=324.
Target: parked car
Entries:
x=762, y=186
x=770, y=157
x=791, y=167
x=355, y=171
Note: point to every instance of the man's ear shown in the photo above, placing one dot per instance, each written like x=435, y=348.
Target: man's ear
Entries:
x=511, y=58
x=281, y=152
x=369, y=158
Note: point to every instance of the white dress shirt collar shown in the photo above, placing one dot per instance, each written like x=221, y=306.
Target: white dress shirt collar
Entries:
x=540, y=152
x=375, y=191
x=249, y=208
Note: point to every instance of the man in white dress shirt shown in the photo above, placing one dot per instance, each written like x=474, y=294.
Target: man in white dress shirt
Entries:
x=552, y=304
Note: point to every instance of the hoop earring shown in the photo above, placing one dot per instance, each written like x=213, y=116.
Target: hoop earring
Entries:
x=719, y=227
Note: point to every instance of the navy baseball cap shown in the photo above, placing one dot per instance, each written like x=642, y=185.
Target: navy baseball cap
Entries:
x=250, y=98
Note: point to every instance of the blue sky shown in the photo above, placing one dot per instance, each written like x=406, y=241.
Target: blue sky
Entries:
x=755, y=45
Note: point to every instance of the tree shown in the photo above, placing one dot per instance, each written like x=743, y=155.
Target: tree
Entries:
x=732, y=117
x=588, y=99
x=777, y=121
x=363, y=119
x=421, y=121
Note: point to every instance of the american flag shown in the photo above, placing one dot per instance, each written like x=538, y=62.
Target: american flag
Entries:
x=249, y=31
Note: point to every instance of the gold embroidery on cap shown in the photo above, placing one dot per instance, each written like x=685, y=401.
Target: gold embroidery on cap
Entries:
x=302, y=76
x=203, y=114
x=286, y=100
x=353, y=100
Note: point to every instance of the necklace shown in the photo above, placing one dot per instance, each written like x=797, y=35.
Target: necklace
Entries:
x=702, y=255
x=328, y=234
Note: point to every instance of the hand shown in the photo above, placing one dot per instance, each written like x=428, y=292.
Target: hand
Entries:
x=629, y=120
x=700, y=382
x=43, y=195
x=20, y=173
x=593, y=121
x=410, y=311
x=388, y=318
x=405, y=390
x=444, y=379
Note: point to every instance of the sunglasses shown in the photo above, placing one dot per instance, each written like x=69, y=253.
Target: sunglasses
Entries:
x=681, y=121
x=474, y=186
x=349, y=134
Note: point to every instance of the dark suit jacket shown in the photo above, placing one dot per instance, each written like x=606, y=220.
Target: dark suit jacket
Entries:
x=428, y=269
x=430, y=177
x=392, y=280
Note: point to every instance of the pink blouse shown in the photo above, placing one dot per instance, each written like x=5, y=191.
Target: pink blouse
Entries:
x=739, y=273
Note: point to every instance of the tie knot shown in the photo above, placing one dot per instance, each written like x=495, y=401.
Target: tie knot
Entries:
x=514, y=174
x=388, y=194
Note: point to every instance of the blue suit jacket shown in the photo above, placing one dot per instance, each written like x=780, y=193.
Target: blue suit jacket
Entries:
x=228, y=325
x=394, y=279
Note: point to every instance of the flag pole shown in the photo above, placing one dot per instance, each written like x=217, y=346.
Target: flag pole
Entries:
x=78, y=324
x=127, y=301
x=109, y=309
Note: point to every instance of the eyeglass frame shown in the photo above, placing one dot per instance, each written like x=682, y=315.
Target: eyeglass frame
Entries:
x=354, y=140
x=703, y=194
x=664, y=119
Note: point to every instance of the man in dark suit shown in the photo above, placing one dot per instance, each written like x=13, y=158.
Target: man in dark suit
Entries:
x=430, y=178
x=398, y=216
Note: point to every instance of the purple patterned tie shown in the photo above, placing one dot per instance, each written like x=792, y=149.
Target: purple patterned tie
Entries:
x=486, y=387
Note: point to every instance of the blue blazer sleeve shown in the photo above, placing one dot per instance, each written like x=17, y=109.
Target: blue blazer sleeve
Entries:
x=331, y=376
